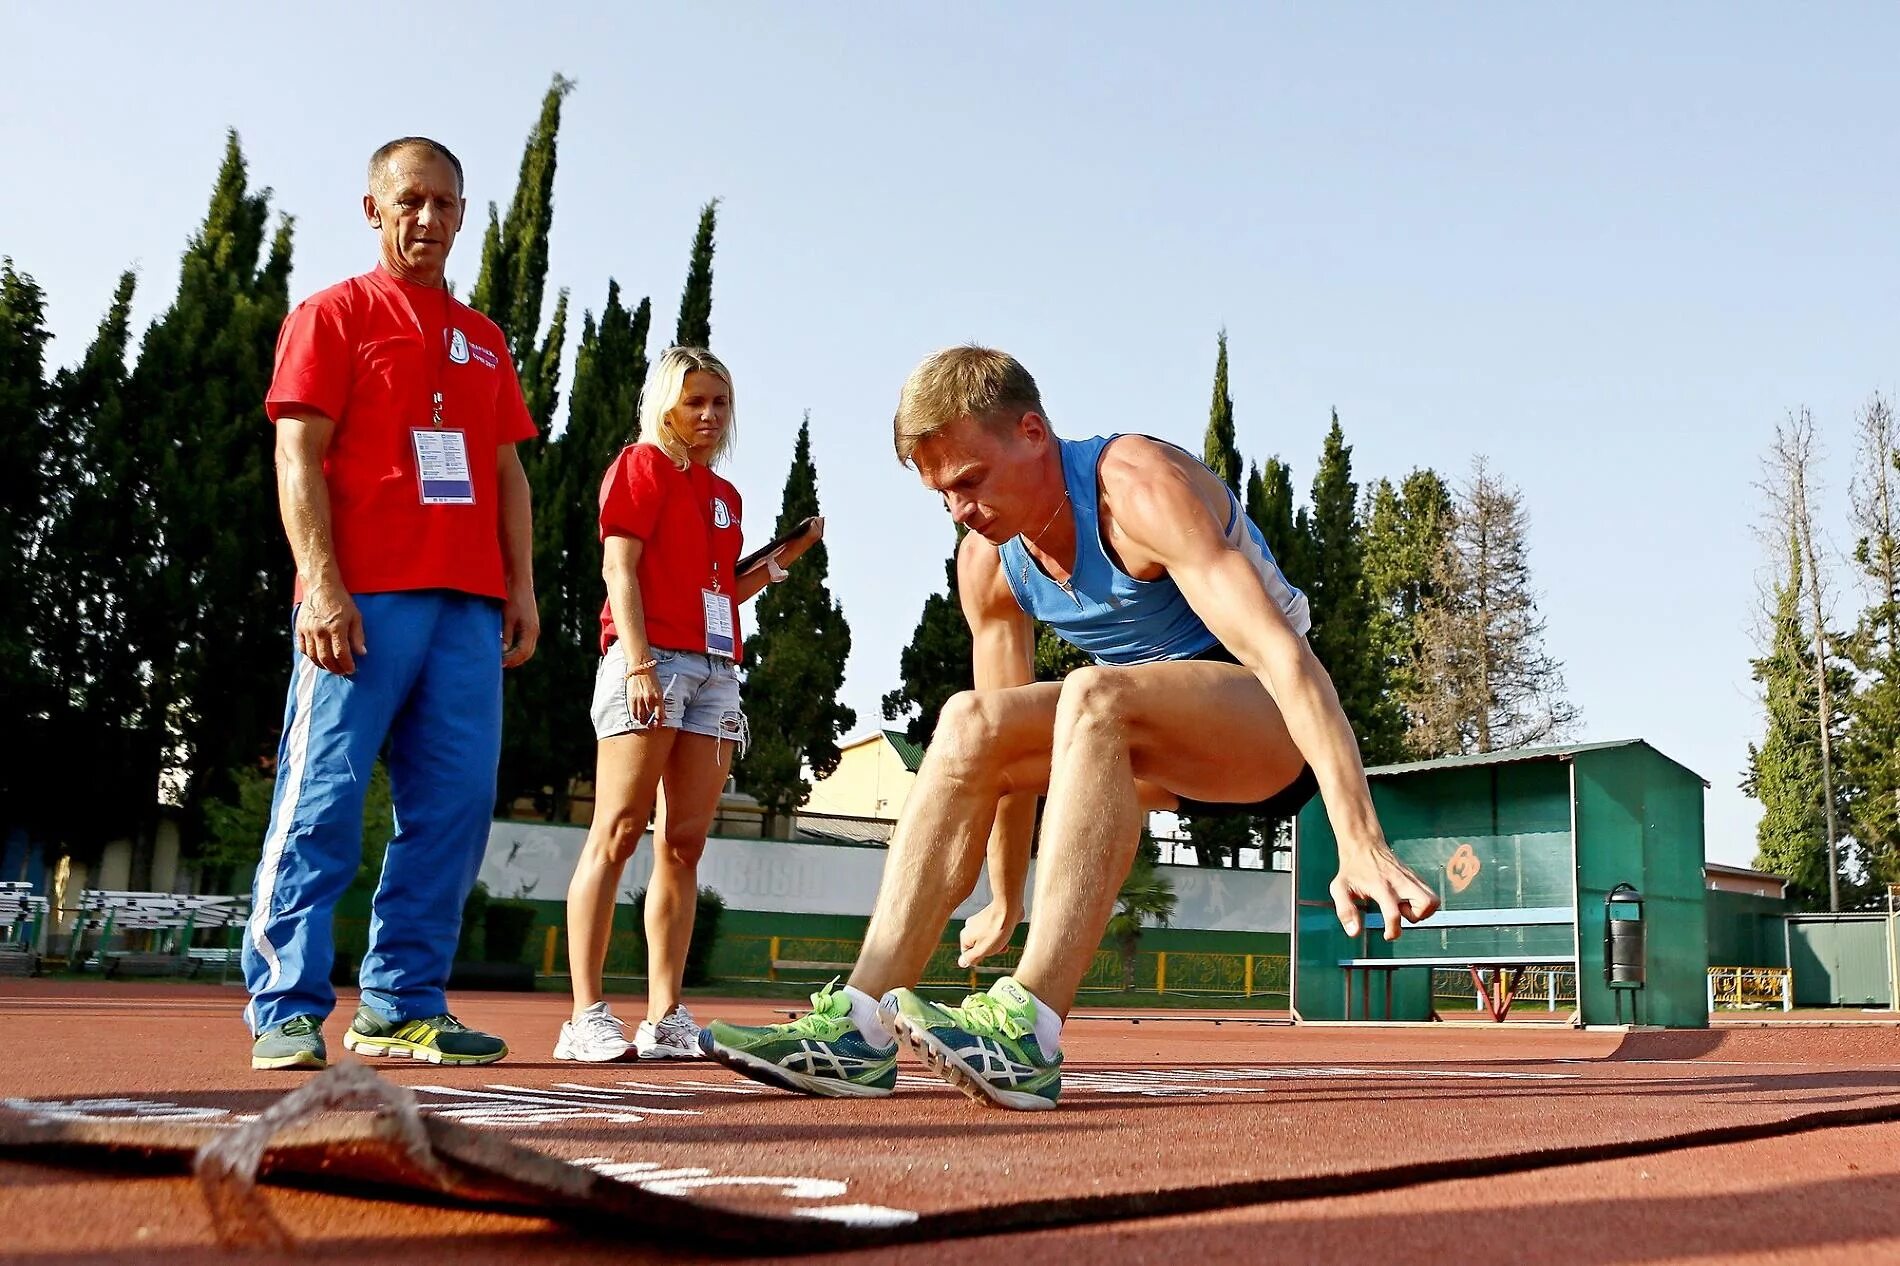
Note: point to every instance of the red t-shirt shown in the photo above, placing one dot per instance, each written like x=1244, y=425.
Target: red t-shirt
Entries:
x=687, y=521
x=369, y=354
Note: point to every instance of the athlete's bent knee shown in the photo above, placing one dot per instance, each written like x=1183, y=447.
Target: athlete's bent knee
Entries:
x=967, y=732
x=1094, y=694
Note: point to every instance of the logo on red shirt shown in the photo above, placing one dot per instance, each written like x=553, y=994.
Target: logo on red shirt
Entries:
x=722, y=517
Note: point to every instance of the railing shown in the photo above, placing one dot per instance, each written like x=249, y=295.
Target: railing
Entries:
x=1751, y=987
x=1556, y=986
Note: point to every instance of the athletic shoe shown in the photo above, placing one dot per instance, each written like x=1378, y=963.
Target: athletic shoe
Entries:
x=296, y=1043
x=821, y=1053
x=674, y=1037
x=440, y=1039
x=985, y=1047
x=597, y=1037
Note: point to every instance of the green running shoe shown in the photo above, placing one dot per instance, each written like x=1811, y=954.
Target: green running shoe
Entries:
x=817, y=1054
x=440, y=1039
x=986, y=1047
x=296, y=1043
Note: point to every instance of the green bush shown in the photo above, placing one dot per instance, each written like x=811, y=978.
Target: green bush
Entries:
x=505, y=930
x=707, y=912
x=474, y=925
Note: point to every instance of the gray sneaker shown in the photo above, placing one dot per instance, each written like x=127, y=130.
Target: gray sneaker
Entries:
x=674, y=1037
x=296, y=1043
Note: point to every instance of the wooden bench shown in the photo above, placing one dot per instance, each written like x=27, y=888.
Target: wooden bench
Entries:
x=1508, y=969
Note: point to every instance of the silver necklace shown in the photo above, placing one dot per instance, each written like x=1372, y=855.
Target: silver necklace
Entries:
x=1037, y=540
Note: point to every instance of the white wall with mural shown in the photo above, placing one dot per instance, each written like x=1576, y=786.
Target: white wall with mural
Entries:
x=535, y=861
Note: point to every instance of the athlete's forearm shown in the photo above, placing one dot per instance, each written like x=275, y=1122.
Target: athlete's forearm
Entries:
x=1009, y=848
x=1237, y=610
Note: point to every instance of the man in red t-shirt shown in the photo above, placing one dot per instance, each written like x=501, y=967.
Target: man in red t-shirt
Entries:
x=397, y=412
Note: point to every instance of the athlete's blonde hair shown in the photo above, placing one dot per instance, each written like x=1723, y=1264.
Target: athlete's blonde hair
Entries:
x=666, y=382
x=962, y=382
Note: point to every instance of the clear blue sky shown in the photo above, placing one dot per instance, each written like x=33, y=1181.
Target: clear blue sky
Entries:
x=1607, y=250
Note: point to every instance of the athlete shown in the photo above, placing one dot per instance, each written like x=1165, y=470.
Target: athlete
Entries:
x=1204, y=698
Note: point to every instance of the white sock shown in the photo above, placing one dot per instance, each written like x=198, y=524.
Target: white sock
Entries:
x=870, y=1020
x=1048, y=1026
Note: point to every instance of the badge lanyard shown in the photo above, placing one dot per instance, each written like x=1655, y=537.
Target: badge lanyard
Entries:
x=721, y=634
x=442, y=468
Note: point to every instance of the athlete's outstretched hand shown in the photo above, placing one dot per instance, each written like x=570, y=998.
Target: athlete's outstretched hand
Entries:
x=1374, y=875
x=985, y=932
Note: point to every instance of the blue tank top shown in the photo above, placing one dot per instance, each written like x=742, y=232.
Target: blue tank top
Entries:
x=1109, y=614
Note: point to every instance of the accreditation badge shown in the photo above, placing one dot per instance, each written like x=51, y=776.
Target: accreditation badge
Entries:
x=721, y=631
x=442, y=473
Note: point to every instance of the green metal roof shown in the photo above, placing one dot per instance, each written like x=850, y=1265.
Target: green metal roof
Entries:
x=1517, y=755
x=912, y=754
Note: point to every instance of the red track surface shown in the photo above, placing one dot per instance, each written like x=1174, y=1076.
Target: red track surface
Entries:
x=1260, y=1123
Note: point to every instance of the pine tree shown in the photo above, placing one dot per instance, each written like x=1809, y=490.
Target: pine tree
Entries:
x=224, y=572
x=695, y=319
x=514, y=268
x=1342, y=607
x=1486, y=682
x=935, y=664
x=1870, y=747
x=1784, y=771
x=798, y=657
x=1218, y=449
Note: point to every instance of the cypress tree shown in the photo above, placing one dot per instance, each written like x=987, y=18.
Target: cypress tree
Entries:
x=542, y=753
x=514, y=267
x=1218, y=449
x=695, y=319
x=1342, y=608
x=97, y=564
x=25, y=496
x=798, y=654
x=1270, y=505
x=1406, y=532
x=223, y=577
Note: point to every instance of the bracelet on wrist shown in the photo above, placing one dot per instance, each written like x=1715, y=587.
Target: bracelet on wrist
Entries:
x=643, y=667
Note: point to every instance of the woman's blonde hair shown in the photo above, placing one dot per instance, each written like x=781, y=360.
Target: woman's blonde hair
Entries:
x=666, y=382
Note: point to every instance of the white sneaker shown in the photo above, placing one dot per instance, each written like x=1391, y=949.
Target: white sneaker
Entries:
x=597, y=1037
x=675, y=1037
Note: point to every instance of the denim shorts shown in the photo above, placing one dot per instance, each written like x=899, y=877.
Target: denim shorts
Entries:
x=700, y=693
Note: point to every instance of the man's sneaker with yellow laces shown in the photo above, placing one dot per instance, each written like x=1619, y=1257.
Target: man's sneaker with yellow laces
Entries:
x=440, y=1039
x=821, y=1053
x=296, y=1043
x=986, y=1046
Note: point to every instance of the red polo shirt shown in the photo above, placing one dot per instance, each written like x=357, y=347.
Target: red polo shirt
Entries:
x=369, y=354
x=686, y=520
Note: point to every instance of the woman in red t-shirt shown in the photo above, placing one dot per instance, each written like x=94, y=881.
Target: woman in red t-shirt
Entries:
x=666, y=698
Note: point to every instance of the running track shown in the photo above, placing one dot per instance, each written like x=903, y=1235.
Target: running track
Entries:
x=1176, y=1140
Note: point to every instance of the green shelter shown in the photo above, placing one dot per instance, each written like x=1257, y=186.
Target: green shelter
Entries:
x=1524, y=848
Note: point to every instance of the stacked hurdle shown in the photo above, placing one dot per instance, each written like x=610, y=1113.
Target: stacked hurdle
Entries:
x=1751, y=987
x=168, y=920
x=22, y=916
